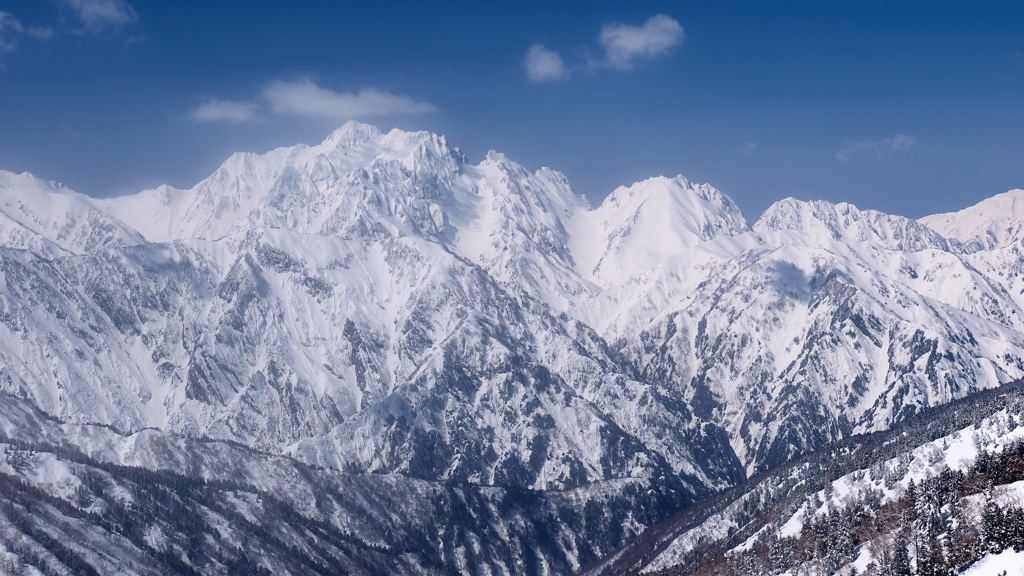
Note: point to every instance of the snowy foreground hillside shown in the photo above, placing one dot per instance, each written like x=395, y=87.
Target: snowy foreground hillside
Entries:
x=417, y=364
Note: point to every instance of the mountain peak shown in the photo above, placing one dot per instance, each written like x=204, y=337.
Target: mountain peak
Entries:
x=352, y=133
x=992, y=223
x=639, y=226
x=11, y=180
x=691, y=207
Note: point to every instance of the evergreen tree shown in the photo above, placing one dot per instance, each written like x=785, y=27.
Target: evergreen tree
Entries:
x=779, y=556
x=1015, y=528
x=885, y=564
x=964, y=545
x=993, y=523
x=900, y=561
x=927, y=527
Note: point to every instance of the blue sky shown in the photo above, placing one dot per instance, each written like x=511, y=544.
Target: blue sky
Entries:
x=907, y=107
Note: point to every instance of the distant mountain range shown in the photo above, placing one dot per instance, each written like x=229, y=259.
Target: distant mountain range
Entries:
x=376, y=310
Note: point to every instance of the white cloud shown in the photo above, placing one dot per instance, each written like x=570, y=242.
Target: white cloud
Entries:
x=99, y=14
x=897, y=143
x=222, y=110
x=40, y=32
x=624, y=45
x=543, y=64
x=748, y=148
x=307, y=99
x=9, y=28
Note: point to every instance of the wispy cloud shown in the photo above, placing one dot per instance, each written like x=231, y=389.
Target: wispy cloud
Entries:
x=748, y=149
x=543, y=64
x=214, y=110
x=622, y=47
x=9, y=30
x=305, y=98
x=897, y=143
x=97, y=15
x=625, y=45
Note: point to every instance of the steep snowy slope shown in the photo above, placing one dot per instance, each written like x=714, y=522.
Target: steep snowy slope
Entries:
x=410, y=358
x=996, y=222
x=517, y=225
x=636, y=228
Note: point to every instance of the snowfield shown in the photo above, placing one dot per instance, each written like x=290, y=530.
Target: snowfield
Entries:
x=1009, y=562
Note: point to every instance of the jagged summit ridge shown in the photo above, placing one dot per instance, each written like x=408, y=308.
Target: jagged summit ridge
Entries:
x=529, y=229
x=845, y=223
x=309, y=189
x=52, y=220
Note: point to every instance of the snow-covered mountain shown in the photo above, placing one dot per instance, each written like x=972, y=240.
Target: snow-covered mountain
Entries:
x=377, y=304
